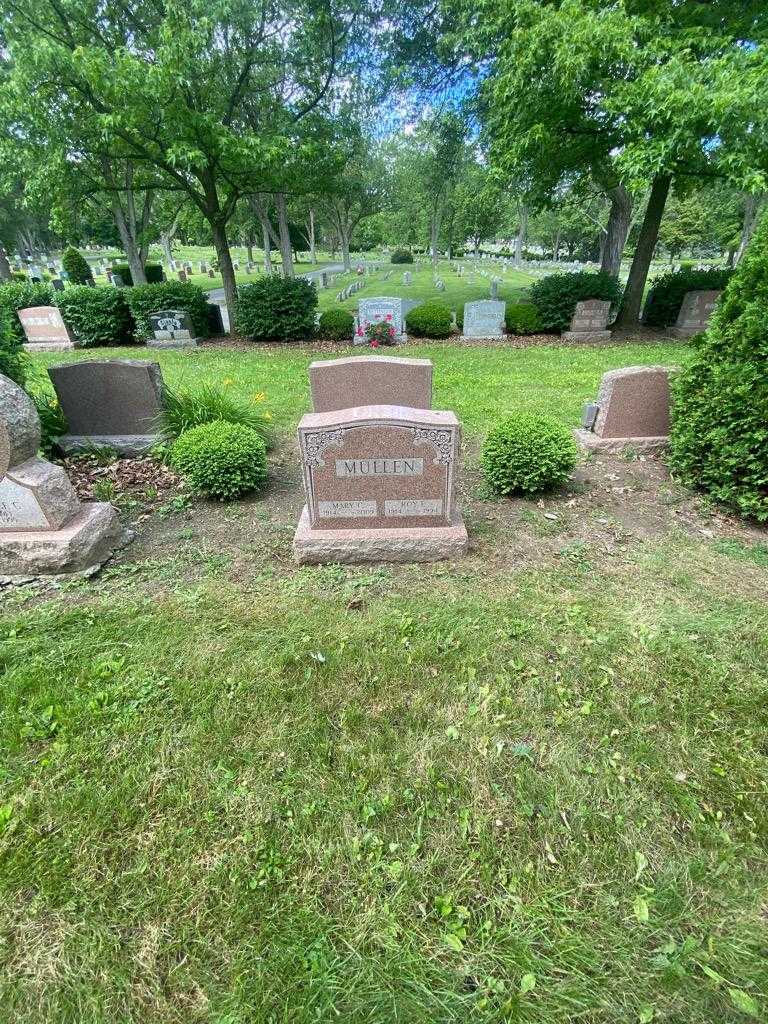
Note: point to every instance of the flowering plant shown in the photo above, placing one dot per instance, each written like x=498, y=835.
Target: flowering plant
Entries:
x=380, y=332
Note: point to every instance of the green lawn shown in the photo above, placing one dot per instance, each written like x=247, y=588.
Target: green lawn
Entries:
x=515, y=788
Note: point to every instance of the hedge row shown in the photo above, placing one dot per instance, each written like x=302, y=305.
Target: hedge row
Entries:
x=105, y=316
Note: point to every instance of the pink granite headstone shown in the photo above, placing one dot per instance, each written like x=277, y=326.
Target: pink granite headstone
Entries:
x=45, y=329
x=632, y=409
x=695, y=313
x=590, y=321
x=370, y=380
x=380, y=485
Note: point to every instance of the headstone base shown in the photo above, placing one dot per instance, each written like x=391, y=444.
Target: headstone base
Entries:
x=616, y=445
x=123, y=444
x=586, y=336
x=87, y=540
x=358, y=342
x=49, y=346
x=414, y=544
x=172, y=343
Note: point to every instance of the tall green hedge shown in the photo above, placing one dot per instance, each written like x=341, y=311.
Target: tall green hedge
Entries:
x=719, y=438
x=555, y=296
x=276, y=307
x=144, y=299
x=667, y=292
x=21, y=295
x=14, y=362
x=96, y=316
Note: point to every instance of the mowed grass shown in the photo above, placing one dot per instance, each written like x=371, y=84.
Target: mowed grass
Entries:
x=390, y=794
x=377, y=794
x=479, y=384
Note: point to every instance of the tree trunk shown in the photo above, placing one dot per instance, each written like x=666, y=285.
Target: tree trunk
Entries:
x=311, y=236
x=615, y=237
x=5, y=267
x=522, y=232
x=629, y=311
x=249, y=249
x=221, y=244
x=345, y=250
x=556, y=247
x=434, y=234
x=267, y=244
x=284, y=235
x=752, y=206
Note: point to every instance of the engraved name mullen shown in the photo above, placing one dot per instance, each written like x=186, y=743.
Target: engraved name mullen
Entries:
x=379, y=467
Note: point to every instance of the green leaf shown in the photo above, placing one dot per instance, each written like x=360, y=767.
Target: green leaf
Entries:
x=717, y=978
x=744, y=1002
x=645, y=1016
x=641, y=863
x=640, y=908
x=527, y=983
x=453, y=942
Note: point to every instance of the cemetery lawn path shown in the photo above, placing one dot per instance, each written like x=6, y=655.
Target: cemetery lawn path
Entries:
x=529, y=786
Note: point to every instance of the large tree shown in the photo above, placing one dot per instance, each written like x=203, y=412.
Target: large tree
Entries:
x=213, y=97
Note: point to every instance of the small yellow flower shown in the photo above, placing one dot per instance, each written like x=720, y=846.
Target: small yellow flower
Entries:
x=259, y=396
x=227, y=381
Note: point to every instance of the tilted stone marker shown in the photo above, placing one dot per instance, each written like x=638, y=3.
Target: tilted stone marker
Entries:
x=484, y=319
x=171, y=328
x=631, y=411
x=695, y=313
x=44, y=529
x=380, y=486
x=589, y=321
x=45, y=330
x=370, y=380
x=115, y=403
x=407, y=278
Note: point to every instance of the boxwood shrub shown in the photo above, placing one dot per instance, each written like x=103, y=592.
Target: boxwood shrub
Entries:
x=556, y=296
x=525, y=454
x=144, y=299
x=522, y=318
x=430, y=320
x=667, y=292
x=77, y=266
x=337, y=324
x=223, y=460
x=719, y=435
x=152, y=271
x=21, y=295
x=96, y=316
x=277, y=307
x=401, y=256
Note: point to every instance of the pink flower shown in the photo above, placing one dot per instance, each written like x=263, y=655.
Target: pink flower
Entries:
x=388, y=316
x=374, y=343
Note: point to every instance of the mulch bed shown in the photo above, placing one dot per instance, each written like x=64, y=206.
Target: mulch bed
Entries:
x=144, y=479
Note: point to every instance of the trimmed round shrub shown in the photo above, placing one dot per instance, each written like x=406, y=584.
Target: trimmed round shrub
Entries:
x=144, y=299
x=401, y=256
x=223, y=460
x=152, y=271
x=14, y=362
x=77, y=266
x=21, y=295
x=430, y=320
x=667, y=292
x=338, y=324
x=524, y=454
x=522, y=318
x=556, y=296
x=282, y=308
x=719, y=435
x=96, y=316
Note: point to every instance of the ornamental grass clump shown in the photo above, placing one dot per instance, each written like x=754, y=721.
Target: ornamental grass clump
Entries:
x=221, y=460
x=185, y=408
x=525, y=454
x=719, y=434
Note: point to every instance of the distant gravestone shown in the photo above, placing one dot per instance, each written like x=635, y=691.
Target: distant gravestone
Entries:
x=407, y=278
x=370, y=380
x=211, y=273
x=385, y=307
x=43, y=527
x=57, y=285
x=590, y=321
x=484, y=319
x=114, y=403
x=182, y=275
x=380, y=486
x=494, y=289
x=695, y=313
x=632, y=410
x=45, y=329
x=171, y=328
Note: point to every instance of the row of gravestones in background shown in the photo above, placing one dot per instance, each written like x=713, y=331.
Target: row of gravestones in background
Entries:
x=45, y=329
x=379, y=477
